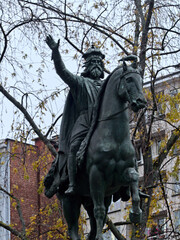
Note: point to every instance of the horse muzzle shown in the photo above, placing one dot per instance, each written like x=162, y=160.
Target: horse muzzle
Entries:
x=137, y=104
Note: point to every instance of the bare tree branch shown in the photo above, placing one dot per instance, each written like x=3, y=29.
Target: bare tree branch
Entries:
x=165, y=29
x=5, y=43
x=139, y=9
x=144, y=39
x=163, y=68
x=137, y=32
x=100, y=28
x=12, y=230
x=53, y=124
x=165, y=150
x=167, y=53
x=29, y=119
x=114, y=230
x=166, y=201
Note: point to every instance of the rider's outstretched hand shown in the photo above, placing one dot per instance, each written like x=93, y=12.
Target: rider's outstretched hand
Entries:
x=51, y=43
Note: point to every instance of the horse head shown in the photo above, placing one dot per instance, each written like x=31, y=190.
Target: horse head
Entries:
x=131, y=84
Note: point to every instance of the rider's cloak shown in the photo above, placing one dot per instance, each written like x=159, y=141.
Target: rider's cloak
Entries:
x=57, y=177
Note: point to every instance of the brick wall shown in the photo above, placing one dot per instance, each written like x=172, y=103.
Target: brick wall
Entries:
x=23, y=181
x=28, y=166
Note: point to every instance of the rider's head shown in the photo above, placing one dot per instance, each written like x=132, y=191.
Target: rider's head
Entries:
x=94, y=66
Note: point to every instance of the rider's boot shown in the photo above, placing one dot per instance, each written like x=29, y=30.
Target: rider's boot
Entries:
x=72, y=175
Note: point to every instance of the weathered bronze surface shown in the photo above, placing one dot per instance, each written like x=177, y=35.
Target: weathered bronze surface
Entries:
x=96, y=159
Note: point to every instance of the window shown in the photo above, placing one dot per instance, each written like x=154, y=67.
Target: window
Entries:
x=160, y=106
x=159, y=227
x=177, y=184
x=139, y=155
x=160, y=110
x=174, y=93
x=155, y=148
x=155, y=231
x=148, y=114
x=176, y=150
x=162, y=224
x=177, y=220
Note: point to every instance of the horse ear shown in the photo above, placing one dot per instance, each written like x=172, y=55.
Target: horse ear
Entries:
x=124, y=66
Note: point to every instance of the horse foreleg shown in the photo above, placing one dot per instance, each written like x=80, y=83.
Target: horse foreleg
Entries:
x=135, y=211
x=71, y=210
x=97, y=189
x=89, y=209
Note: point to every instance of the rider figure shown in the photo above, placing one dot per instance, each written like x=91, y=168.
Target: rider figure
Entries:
x=83, y=91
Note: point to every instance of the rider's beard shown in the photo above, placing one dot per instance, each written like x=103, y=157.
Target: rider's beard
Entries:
x=96, y=72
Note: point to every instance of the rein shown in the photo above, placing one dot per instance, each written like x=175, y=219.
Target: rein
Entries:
x=112, y=115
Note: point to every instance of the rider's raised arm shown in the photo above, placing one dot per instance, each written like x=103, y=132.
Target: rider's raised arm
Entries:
x=60, y=67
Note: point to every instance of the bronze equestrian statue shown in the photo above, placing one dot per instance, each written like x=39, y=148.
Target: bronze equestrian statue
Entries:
x=94, y=143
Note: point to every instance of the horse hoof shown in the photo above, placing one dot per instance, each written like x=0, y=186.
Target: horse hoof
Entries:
x=135, y=217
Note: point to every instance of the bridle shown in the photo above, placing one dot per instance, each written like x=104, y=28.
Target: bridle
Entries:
x=122, y=77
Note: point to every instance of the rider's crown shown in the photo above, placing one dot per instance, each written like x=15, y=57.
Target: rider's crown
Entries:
x=93, y=51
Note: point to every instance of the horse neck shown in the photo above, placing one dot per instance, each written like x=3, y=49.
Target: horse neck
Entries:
x=111, y=105
x=117, y=125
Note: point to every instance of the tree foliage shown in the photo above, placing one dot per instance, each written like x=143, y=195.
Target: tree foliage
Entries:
x=148, y=29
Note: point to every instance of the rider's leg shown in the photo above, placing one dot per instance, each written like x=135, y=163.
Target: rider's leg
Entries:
x=79, y=132
x=72, y=167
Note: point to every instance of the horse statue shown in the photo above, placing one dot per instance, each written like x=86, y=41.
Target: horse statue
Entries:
x=110, y=167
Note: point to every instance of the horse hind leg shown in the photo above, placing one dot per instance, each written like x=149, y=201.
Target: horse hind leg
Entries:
x=97, y=189
x=90, y=210
x=135, y=211
x=71, y=210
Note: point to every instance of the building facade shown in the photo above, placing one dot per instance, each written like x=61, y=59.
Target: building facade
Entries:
x=5, y=184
